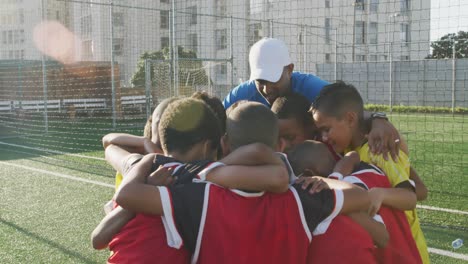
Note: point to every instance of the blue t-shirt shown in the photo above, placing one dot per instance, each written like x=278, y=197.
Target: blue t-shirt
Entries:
x=302, y=83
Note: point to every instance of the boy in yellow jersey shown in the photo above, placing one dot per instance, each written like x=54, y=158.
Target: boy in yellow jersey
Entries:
x=338, y=113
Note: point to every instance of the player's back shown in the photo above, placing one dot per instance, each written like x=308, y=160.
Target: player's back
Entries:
x=401, y=247
x=344, y=242
x=143, y=240
x=253, y=228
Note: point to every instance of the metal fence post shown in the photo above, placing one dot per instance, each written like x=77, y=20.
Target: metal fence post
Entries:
x=304, y=50
x=175, y=51
x=270, y=22
x=336, y=55
x=231, y=51
x=148, y=87
x=44, y=73
x=454, y=60
x=390, y=99
x=114, y=112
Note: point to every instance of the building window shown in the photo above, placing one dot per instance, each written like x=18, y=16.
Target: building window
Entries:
x=87, y=50
x=193, y=42
x=21, y=16
x=404, y=5
x=21, y=35
x=118, y=46
x=86, y=28
x=255, y=32
x=360, y=57
x=164, y=42
x=16, y=37
x=360, y=32
x=327, y=30
x=327, y=58
x=221, y=39
x=192, y=13
x=22, y=54
x=373, y=33
x=165, y=1
x=359, y=4
x=404, y=58
x=57, y=15
x=327, y=3
x=118, y=19
x=220, y=7
x=10, y=36
x=4, y=37
x=164, y=17
x=221, y=70
x=373, y=58
x=374, y=6
x=404, y=33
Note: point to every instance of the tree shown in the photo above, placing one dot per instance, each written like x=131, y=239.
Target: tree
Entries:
x=443, y=48
x=191, y=72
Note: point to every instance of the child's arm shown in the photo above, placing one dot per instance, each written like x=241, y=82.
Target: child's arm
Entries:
x=398, y=198
x=345, y=166
x=120, y=159
x=254, y=167
x=420, y=187
x=109, y=226
x=131, y=143
x=136, y=196
x=376, y=230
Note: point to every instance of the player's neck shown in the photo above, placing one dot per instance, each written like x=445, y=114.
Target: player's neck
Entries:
x=358, y=139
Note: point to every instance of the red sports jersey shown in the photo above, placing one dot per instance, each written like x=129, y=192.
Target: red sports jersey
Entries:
x=143, y=239
x=344, y=242
x=401, y=247
x=229, y=226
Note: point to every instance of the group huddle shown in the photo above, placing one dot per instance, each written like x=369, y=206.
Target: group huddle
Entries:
x=293, y=171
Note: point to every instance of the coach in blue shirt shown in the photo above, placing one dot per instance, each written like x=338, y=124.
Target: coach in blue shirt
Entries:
x=272, y=76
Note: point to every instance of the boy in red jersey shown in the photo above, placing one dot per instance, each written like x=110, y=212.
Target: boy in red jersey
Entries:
x=344, y=237
x=220, y=225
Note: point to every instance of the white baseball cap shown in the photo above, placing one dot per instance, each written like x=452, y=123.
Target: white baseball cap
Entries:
x=267, y=59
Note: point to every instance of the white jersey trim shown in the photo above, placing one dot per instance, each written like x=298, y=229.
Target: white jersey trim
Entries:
x=336, y=175
x=246, y=194
x=301, y=213
x=174, y=239
x=355, y=180
x=369, y=170
x=323, y=226
x=202, y=174
x=202, y=224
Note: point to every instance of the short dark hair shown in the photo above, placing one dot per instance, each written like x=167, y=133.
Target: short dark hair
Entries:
x=311, y=155
x=293, y=105
x=338, y=98
x=215, y=104
x=186, y=122
x=251, y=122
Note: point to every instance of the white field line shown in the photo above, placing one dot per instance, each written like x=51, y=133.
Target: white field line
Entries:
x=448, y=253
x=56, y=174
x=432, y=250
x=52, y=151
x=442, y=209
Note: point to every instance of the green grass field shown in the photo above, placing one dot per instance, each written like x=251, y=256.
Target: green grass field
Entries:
x=51, y=201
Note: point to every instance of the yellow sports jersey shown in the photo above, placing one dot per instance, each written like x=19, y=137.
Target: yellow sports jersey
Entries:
x=398, y=172
x=118, y=180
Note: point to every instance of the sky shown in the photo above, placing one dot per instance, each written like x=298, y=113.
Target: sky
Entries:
x=448, y=16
